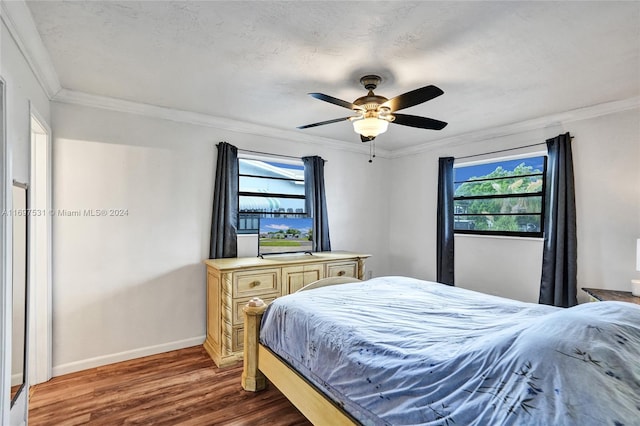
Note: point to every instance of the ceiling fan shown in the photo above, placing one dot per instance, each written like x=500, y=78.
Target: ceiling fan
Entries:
x=375, y=112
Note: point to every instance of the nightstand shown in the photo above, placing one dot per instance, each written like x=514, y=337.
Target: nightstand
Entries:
x=600, y=295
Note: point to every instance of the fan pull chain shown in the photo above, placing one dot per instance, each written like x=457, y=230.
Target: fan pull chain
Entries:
x=372, y=150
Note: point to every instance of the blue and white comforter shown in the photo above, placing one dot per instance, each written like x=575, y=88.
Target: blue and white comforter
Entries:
x=402, y=351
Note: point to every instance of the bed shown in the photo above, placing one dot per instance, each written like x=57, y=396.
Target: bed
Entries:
x=397, y=350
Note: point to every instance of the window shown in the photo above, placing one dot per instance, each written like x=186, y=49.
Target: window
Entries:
x=500, y=198
x=269, y=188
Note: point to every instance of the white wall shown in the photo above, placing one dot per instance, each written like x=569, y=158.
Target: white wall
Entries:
x=22, y=88
x=132, y=285
x=507, y=267
x=606, y=154
x=606, y=158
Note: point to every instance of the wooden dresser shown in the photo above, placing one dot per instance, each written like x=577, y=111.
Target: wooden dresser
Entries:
x=232, y=282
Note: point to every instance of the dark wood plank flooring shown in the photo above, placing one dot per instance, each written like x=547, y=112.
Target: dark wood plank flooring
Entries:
x=182, y=387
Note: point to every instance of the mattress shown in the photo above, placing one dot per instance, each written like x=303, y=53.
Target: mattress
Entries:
x=401, y=351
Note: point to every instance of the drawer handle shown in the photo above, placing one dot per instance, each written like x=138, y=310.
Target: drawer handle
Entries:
x=341, y=273
x=255, y=283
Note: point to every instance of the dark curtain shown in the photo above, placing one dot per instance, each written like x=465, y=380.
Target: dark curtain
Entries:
x=224, y=221
x=316, y=202
x=445, y=267
x=558, y=285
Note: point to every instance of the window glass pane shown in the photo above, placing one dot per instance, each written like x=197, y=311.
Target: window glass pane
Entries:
x=504, y=177
x=509, y=205
x=511, y=185
x=518, y=167
x=271, y=204
x=270, y=185
x=248, y=223
x=510, y=223
x=270, y=169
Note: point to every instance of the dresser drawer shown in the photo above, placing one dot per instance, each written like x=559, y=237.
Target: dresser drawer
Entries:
x=238, y=304
x=255, y=283
x=343, y=269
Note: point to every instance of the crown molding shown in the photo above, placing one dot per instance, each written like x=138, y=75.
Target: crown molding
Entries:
x=578, y=114
x=188, y=117
x=17, y=17
x=199, y=119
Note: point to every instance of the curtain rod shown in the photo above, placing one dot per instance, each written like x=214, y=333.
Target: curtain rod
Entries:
x=502, y=150
x=271, y=154
x=499, y=151
x=267, y=153
x=248, y=151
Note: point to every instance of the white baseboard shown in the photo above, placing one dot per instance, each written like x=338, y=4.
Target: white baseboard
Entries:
x=72, y=367
x=17, y=378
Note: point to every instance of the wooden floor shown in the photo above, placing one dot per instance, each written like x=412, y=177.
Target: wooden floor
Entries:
x=182, y=387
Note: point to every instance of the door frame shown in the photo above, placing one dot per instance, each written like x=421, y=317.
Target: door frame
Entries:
x=41, y=300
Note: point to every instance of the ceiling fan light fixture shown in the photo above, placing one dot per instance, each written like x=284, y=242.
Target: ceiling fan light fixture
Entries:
x=373, y=113
x=370, y=127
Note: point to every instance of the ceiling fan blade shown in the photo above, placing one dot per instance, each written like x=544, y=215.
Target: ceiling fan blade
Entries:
x=321, y=123
x=420, y=122
x=366, y=138
x=412, y=98
x=335, y=101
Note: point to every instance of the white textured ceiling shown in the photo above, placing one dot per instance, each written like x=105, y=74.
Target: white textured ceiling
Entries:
x=497, y=62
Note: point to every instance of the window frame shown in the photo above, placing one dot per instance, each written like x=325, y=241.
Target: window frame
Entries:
x=268, y=159
x=542, y=193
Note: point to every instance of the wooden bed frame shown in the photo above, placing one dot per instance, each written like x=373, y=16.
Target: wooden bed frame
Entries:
x=261, y=364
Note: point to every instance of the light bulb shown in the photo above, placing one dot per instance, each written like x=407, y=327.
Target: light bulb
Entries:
x=370, y=127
